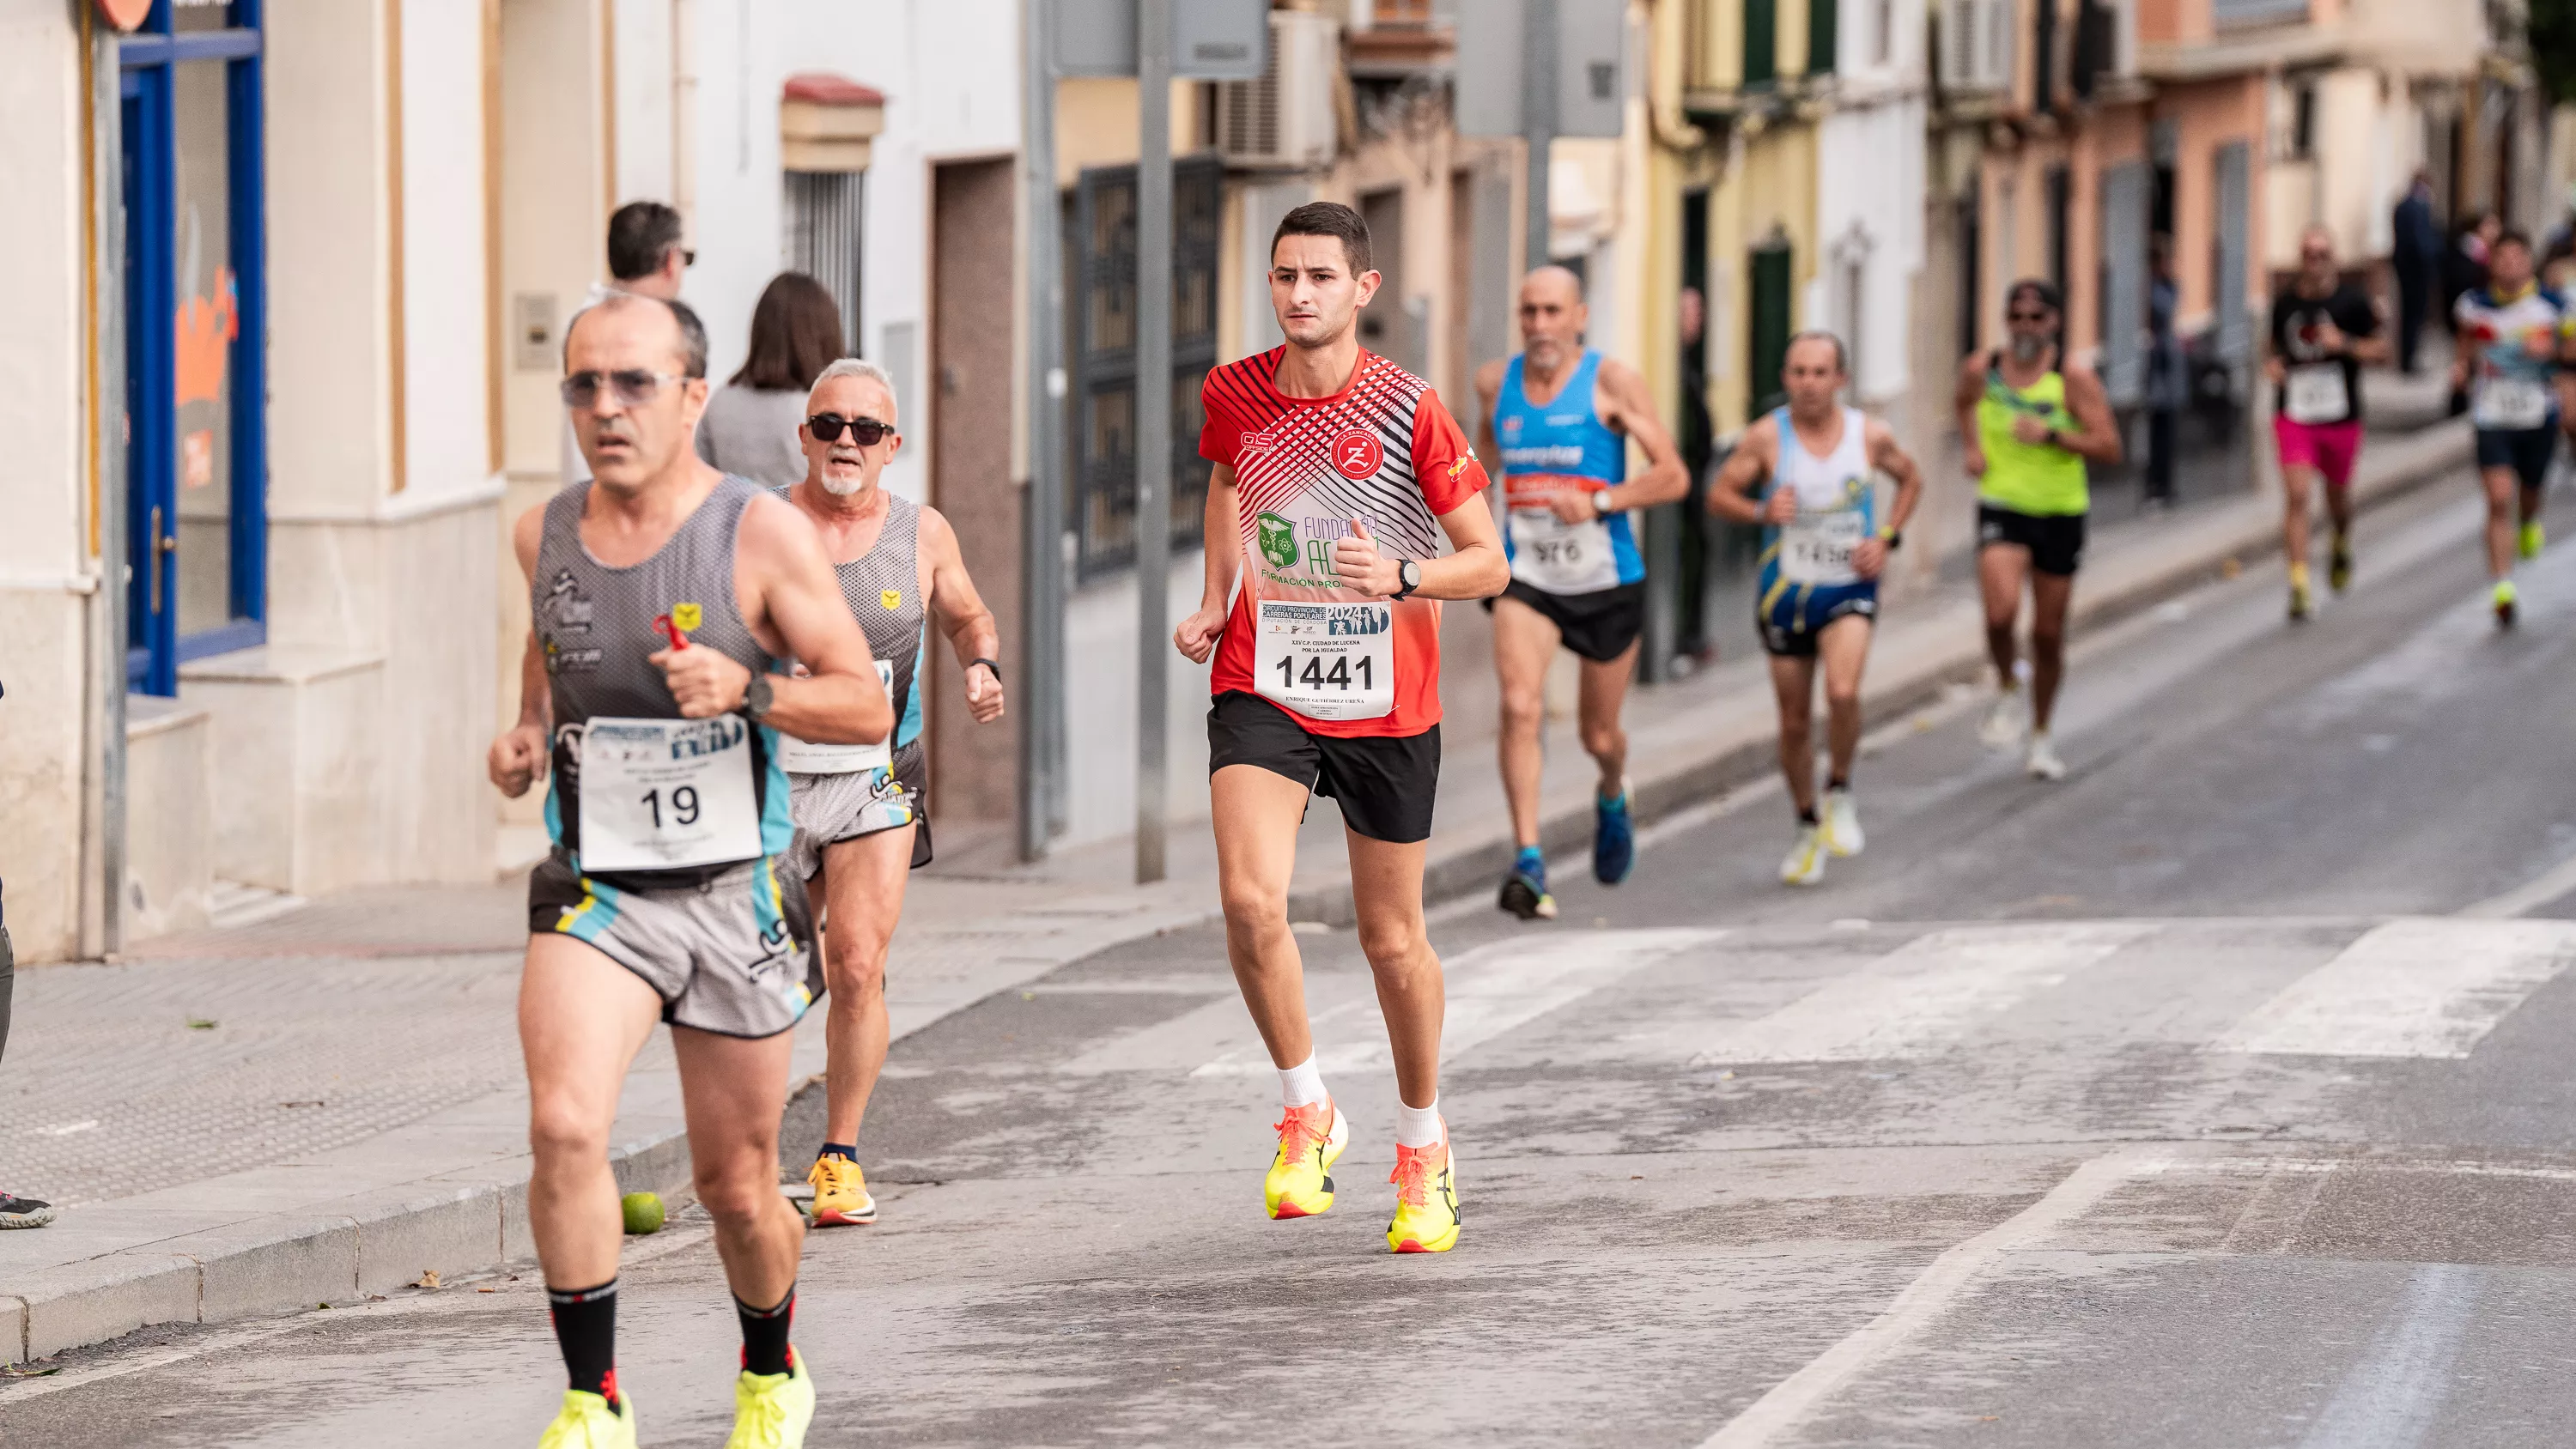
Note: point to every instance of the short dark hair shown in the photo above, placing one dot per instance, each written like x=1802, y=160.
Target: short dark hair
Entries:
x=2512, y=236
x=693, y=333
x=2044, y=292
x=1327, y=218
x=640, y=235
x=1842, y=358
x=795, y=334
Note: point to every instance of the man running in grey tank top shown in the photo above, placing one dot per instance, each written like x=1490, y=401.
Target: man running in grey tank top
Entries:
x=860, y=814
x=661, y=592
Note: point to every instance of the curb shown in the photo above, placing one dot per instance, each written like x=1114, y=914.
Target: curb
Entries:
x=278, y=1263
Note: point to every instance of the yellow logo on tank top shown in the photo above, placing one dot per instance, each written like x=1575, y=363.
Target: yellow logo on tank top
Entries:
x=892, y=599
x=687, y=617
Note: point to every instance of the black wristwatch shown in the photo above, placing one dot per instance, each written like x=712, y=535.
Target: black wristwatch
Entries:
x=1892, y=537
x=757, y=697
x=2053, y=439
x=1408, y=576
x=994, y=665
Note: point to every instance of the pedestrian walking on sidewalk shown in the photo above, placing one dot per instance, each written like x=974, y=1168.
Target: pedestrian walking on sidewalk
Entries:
x=753, y=421
x=2168, y=374
x=1338, y=475
x=2323, y=330
x=2030, y=422
x=2415, y=255
x=862, y=818
x=660, y=591
x=1815, y=465
x=1559, y=418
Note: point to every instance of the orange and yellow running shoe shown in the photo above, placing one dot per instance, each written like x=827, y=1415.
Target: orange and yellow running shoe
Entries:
x=1311, y=1139
x=840, y=1193
x=1426, y=1198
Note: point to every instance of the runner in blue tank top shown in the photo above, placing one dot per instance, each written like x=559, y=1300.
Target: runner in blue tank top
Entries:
x=1558, y=420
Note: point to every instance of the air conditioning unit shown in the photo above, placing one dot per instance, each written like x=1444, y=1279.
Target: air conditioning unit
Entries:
x=1285, y=119
x=1977, y=45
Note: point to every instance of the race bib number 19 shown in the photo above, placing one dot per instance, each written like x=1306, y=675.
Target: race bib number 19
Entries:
x=663, y=794
x=1326, y=661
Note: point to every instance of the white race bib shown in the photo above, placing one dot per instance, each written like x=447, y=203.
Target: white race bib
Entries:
x=2511, y=404
x=799, y=758
x=663, y=794
x=1816, y=548
x=1326, y=660
x=2316, y=394
x=1562, y=558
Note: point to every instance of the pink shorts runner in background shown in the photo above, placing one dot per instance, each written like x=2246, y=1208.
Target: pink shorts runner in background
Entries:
x=2330, y=448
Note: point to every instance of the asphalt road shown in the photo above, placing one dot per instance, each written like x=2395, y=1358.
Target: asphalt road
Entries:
x=2218, y=1095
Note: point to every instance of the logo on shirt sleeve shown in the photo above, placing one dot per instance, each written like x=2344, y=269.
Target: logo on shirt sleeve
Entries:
x=1357, y=454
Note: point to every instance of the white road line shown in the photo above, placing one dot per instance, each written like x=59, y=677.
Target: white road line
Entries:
x=1924, y=995
x=2529, y=896
x=2389, y=1399
x=1492, y=989
x=2414, y=987
x=1788, y=1403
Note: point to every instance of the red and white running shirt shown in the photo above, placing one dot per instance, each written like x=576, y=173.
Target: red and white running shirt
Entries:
x=1382, y=450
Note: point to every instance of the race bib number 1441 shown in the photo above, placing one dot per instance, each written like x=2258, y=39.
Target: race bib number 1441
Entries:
x=1326, y=660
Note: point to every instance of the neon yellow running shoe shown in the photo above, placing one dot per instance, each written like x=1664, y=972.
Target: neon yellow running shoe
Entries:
x=840, y=1192
x=587, y=1422
x=2531, y=539
x=1426, y=1198
x=1311, y=1139
x=2506, y=598
x=770, y=1411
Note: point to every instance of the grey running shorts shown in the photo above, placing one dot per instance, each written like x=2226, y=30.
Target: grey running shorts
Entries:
x=734, y=956
x=829, y=809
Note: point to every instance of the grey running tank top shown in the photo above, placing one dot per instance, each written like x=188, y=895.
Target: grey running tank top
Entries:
x=883, y=588
x=595, y=627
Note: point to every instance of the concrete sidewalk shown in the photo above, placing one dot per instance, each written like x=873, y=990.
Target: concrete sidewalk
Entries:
x=325, y=1104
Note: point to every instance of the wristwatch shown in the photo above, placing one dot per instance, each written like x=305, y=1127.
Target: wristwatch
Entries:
x=757, y=697
x=1408, y=577
x=1892, y=537
x=1601, y=502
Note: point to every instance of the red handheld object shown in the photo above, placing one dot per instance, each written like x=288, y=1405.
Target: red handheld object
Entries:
x=671, y=631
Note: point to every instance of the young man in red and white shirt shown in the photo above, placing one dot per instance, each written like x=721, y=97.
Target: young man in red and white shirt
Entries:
x=1337, y=476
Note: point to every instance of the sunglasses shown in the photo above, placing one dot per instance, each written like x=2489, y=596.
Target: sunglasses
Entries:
x=2028, y=316
x=633, y=386
x=866, y=432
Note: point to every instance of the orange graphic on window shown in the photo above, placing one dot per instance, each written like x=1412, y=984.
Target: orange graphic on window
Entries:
x=206, y=330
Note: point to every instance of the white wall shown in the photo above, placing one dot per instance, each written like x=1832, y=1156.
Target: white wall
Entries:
x=447, y=445
x=1869, y=202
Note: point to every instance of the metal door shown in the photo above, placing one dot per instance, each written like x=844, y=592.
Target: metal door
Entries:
x=2124, y=282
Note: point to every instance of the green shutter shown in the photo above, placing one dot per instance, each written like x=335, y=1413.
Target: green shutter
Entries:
x=1769, y=267
x=1761, y=43
x=1822, y=15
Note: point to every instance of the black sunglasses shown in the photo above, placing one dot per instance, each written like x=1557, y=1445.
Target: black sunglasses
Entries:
x=2028, y=316
x=866, y=432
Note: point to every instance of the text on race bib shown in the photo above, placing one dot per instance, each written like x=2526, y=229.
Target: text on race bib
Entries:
x=1331, y=661
x=1559, y=557
x=800, y=758
x=664, y=794
x=2315, y=393
x=1816, y=548
x=2511, y=404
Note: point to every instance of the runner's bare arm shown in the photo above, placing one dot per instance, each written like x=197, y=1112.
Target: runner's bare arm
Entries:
x=517, y=758
x=1754, y=458
x=962, y=615
x=1631, y=410
x=1196, y=637
x=2097, y=435
x=1971, y=386
x=1489, y=388
x=1870, y=558
x=793, y=602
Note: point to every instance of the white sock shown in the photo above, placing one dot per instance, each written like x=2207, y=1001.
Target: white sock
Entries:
x=1301, y=1085
x=1417, y=1126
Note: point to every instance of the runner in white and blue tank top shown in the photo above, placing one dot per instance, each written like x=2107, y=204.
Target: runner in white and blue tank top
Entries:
x=1814, y=466
x=1559, y=418
x=862, y=820
x=2513, y=340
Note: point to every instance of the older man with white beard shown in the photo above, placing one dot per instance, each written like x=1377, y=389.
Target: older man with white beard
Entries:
x=860, y=818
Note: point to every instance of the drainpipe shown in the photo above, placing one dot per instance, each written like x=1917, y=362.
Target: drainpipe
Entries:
x=105, y=802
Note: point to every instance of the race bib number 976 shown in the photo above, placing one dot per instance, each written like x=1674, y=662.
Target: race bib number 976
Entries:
x=1326, y=660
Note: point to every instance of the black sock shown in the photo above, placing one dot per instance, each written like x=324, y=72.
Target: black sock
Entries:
x=586, y=1330
x=1807, y=816
x=848, y=1151
x=764, y=1334
x=1838, y=782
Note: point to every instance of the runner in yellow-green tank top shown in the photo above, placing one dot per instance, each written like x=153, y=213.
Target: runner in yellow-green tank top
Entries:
x=2029, y=424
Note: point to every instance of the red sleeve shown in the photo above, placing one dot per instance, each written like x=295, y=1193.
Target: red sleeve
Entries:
x=1221, y=432
x=1443, y=463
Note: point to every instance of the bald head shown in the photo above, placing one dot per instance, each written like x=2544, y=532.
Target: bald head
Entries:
x=1553, y=319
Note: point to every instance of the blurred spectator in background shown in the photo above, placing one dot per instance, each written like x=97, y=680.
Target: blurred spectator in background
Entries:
x=644, y=251
x=1695, y=436
x=2415, y=257
x=2464, y=270
x=2168, y=374
x=750, y=424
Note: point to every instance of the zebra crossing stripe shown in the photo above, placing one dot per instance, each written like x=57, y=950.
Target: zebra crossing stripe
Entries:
x=1491, y=990
x=2413, y=987
x=1922, y=997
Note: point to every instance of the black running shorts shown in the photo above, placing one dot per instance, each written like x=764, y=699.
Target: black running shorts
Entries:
x=2527, y=451
x=2055, y=541
x=1600, y=625
x=1384, y=783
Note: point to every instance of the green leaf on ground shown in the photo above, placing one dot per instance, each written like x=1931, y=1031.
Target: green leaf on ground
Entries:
x=199, y=1023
